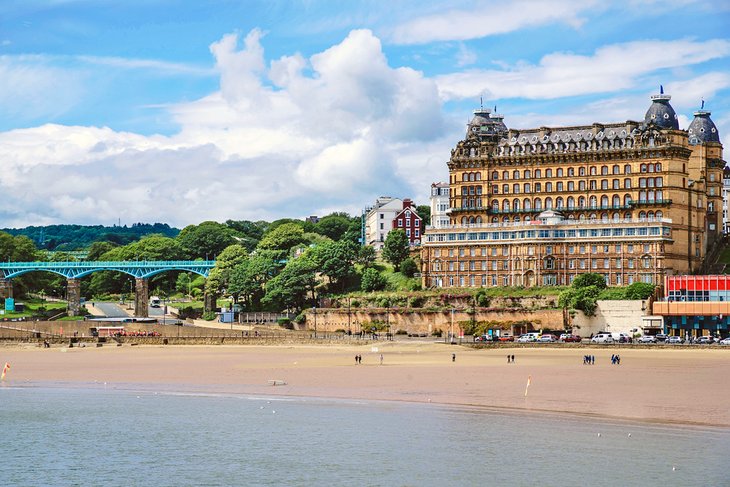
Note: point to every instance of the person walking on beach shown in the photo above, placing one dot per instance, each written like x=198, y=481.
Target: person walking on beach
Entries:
x=381, y=359
x=509, y=358
x=453, y=357
x=513, y=359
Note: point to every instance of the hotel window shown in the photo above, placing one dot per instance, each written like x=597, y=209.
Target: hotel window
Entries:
x=451, y=281
x=516, y=188
x=618, y=248
x=484, y=265
x=593, y=170
x=631, y=263
x=527, y=188
x=606, y=263
x=571, y=186
x=594, y=249
x=505, y=188
x=548, y=249
x=571, y=171
x=582, y=263
x=527, y=174
x=604, y=170
x=616, y=169
x=618, y=263
x=604, y=183
x=538, y=187
x=494, y=249
x=581, y=171
x=548, y=173
x=494, y=265
x=451, y=265
x=538, y=173
x=627, y=169
x=548, y=187
x=616, y=184
x=647, y=262
x=381, y=226
x=505, y=175
x=505, y=265
x=472, y=265
x=594, y=263
x=571, y=264
x=581, y=185
x=627, y=183
x=461, y=252
x=559, y=172
x=605, y=247
x=592, y=184
x=646, y=248
x=571, y=249
x=582, y=249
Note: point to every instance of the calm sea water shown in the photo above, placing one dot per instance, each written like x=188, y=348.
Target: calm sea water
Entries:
x=64, y=436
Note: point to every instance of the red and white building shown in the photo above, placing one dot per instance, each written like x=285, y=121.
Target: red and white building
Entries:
x=409, y=221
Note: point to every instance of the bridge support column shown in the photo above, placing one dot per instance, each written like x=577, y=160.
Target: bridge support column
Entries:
x=209, y=301
x=6, y=288
x=142, y=297
x=73, y=296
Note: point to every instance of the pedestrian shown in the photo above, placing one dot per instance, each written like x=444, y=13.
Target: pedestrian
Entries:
x=509, y=358
x=453, y=357
x=381, y=359
x=513, y=359
x=356, y=361
x=593, y=360
x=618, y=360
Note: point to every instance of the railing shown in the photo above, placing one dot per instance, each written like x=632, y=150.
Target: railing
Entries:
x=535, y=223
x=117, y=263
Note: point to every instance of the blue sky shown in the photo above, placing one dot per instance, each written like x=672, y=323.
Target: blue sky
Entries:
x=182, y=111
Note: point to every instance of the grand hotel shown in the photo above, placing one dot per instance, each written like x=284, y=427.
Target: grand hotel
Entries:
x=634, y=201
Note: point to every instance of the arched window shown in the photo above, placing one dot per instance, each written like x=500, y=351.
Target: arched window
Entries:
x=650, y=167
x=658, y=167
x=516, y=205
x=659, y=215
x=505, y=205
x=571, y=202
x=495, y=175
x=558, y=203
x=516, y=219
x=593, y=170
x=471, y=177
x=538, y=204
x=581, y=202
x=471, y=221
x=559, y=172
x=548, y=187
x=495, y=206
x=571, y=186
x=526, y=205
x=627, y=169
x=616, y=216
x=464, y=220
x=505, y=188
x=465, y=177
x=515, y=174
x=593, y=202
x=627, y=215
x=642, y=216
x=495, y=219
x=604, y=170
x=516, y=188
x=650, y=216
x=604, y=216
x=527, y=174
x=548, y=173
x=616, y=200
x=627, y=183
x=592, y=216
x=581, y=171
x=604, y=183
x=527, y=187
x=642, y=168
x=505, y=219
x=582, y=217
x=604, y=201
x=616, y=169
x=538, y=173
x=571, y=172
x=627, y=199
x=642, y=196
x=505, y=175
x=548, y=203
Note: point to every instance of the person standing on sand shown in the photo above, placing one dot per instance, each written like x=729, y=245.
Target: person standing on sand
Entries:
x=381, y=359
x=509, y=358
x=513, y=359
x=453, y=357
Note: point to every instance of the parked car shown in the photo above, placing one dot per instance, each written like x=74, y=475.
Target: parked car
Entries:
x=622, y=338
x=647, y=339
x=725, y=341
x=506, y=338
x=602, y=338
x=527, y=338
x=548, y=338
x=705, y=340
x=661, y=337
x=483, y=338
x=568, y=337
x=675, y=340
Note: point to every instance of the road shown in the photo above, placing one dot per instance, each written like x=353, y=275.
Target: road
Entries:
x=111, y=310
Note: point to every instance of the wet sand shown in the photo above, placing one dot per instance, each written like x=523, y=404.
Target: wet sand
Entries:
x=687, y=386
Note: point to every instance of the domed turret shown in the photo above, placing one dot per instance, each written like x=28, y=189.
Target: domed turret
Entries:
x=702, y=129
x=661, y=113
x=499, y=122
x=483, y=124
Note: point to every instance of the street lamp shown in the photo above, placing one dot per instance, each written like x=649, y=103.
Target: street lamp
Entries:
x=314, y=311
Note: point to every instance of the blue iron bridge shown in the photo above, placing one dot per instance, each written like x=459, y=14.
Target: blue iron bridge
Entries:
x=138, y=269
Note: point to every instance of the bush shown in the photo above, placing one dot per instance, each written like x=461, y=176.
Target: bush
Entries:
x=639, y=290
x=208, y=316
x=372, y=280
x=589, y=279
x=408, y=267
x=301, y=318
x=355, y=303
x=416, y=301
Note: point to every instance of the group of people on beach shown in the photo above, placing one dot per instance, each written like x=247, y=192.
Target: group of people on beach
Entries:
x=358, y=359
x=615, y=359
x=510, y=359
x=589, y=359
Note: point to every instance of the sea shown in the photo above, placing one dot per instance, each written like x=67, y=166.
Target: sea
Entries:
x=69, y=436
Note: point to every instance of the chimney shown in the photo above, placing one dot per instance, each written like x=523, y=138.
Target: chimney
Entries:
x=407, y=203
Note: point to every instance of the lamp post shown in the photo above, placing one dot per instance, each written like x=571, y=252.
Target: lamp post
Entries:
x=314, y=311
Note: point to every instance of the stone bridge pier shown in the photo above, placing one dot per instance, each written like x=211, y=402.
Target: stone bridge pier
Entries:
x=73, y=296
x=6, y=288
x=142, y=297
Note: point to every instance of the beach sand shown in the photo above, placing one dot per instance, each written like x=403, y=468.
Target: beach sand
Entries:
x=683, y=385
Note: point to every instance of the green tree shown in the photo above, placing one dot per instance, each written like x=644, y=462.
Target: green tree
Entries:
x=97, y=249
x=336, y=260
x=372, y=280
x=292, y=288
x=639, y=290
x=225, y=262
x=282, y=238
x=248, y=279
x=366, y=256
x=333, y=226
x=589, y=279
x=396, y=248
x=205, y=240
x=408, y=267
x=424, y=211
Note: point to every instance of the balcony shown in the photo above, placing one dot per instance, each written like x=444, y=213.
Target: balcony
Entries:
x=651, y=203
x=493, y=211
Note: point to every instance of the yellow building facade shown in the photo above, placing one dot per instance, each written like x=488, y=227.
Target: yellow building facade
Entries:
x=633, y=201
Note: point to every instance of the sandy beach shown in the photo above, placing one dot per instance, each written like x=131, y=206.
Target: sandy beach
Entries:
x=681, y=385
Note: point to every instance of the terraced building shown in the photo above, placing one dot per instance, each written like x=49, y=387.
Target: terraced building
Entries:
x=634, y=201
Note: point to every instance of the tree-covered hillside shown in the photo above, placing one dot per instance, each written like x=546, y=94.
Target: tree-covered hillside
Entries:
x=79, y=237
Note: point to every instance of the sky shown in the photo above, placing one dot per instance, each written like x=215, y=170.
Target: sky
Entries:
x=181, y=112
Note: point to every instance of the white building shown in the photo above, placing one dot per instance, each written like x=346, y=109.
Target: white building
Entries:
x=725, y=198
x=379, y=219
x=439, y=205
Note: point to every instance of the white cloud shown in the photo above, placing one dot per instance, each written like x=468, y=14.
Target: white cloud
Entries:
x=293, y=137
x=488, y=18
x=465, y=56
x=610, y=69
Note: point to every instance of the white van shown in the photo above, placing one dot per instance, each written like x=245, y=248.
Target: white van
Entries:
x=154, y=302
x=602, y=338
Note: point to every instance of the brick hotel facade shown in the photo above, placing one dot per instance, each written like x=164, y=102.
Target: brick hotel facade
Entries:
x=633, y=201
